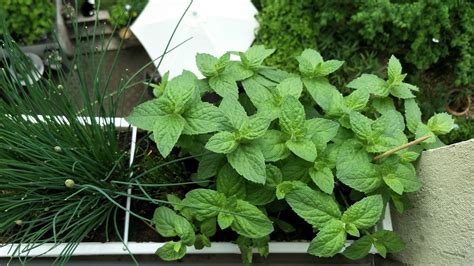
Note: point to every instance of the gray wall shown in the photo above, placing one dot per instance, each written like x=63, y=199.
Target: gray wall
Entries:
x=439, y=229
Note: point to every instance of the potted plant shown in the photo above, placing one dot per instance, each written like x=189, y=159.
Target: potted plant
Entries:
x=282, y=152
x=123, y=13
x=459, y=102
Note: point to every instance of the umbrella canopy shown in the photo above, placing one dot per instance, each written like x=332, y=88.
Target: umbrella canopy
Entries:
x=215, y=27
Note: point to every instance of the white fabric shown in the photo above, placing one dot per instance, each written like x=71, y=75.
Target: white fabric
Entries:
x=216, y=26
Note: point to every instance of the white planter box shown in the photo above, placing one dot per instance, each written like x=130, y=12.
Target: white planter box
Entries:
x=144, y=248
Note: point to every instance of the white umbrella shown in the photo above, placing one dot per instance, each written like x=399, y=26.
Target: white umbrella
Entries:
x=215, y=26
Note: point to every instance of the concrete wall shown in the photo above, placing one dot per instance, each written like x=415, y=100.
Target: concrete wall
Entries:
x=439, y=230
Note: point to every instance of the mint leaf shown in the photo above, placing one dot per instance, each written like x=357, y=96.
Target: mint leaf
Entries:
x=361, y=125
x=292, y=117
x=393, y=183
x=290, y=87
x=357, y=100
x=406, y=174
x=285, y=226
x=329, y=67
x=222, y=142
x=364, y=213
x=309, y=60
x=171, y=251
x=412, y=115
x=314, y=207
x=441, y=123
x=273, y=146
x=381, y=249
x=163, y=219
x=258, y=93
x=238, y=71
x=158, y=90
x=224, y=86
x=390, y=240
x=206, y=203
x=201, y=242
x=209, y=164
x=352, y=230
x=225, y=220
x=322, y=130
x=181, y=90
x=369, y=83
x=254, y=56
x=256, y=127
x=208, y=227
x=401, y=91
x=249, y=162
x=323, y=178
x=146, y=114
x=250, y=221
x=394, y=69
x=259, y=194
x=325, y=95
x=358, y=249
x=303, y=148
x=166, y=132
x=230, y=183
x=234, y=111
x=354, y=169
x=423, y=130
x=202, y=118
x=383, y=105
x=274, y=176
x=206, y=64
x=329, y=240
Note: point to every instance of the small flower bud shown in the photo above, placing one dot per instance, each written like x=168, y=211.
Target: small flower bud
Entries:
x=69, y=183
x=57, y=149
x=19, y=222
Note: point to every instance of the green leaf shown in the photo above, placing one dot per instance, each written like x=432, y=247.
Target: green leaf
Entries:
x=309, y=61
x=225, y=220
x=262, y=245
x=250, y=221
x=158, y=90
x=383, y=105
x=358, y=249
x=163, y=219
x=322, y=131
x=206, y=64
x=412, y=115
x=352, y=230
x=314, y=207
x=357, y=100
x=231, y=183
x=209, y=164
x=369, y=83
x=273, y=146
x=441, y=123
x=292, y=117
x=257, y=126
x=394, y=68
x=234, y=111
x=181, y=90
x=406, y=174
x=295, y=168
x=329, y=240
x=166, y=132
x=146, y=114
x=222, y=142
x=390, y=240
x=409, y=156
x=208, y=227
x=238, y=71
x=285, y=187
x=323, y=178
x=245, y=247
x=329, y=67
x=274, y=176
x=202, y=241
x=361, y=125
x=381, y=249
x=259, y=194
x=249, y=162
x=325, y=95
x=303, y=148
x=254, y=56
x=284, y=226
x=401, y=91
x=224, y=86
x=184, y=230
x=423, y=130
x=290, y=87
x=171, y=251
x=205, y=203
x=364, y=213
x=354, y=169
x=202, y=118
x=259, y=94
x=175, y=201
x=393, y=183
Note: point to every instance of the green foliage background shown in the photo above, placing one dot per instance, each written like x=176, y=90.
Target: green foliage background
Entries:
x=28, y=20
x=433, y=39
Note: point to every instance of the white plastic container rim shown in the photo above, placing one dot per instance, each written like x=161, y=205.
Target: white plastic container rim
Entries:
x=147, y=248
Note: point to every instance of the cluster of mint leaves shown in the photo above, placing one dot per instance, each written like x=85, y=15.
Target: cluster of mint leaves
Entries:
x=291, y=138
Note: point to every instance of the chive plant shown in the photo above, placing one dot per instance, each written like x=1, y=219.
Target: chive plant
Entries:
x=58, y=165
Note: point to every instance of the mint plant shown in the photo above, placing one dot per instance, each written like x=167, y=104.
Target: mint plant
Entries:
x=289, y=140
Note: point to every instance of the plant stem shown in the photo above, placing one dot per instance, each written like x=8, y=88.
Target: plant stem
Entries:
x=404, y=146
